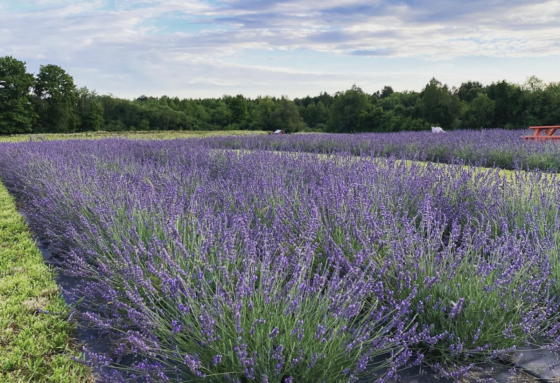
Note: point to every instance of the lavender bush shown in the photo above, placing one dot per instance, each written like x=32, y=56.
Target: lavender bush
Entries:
x=215, y=265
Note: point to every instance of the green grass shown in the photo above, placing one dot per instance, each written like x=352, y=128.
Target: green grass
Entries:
x=140, y=135
x=34, y=346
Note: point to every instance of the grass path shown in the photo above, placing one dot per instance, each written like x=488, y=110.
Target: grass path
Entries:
x=510, y=175
x=129, y=135
x=34, y=346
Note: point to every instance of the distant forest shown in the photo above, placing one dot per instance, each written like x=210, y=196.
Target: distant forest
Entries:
x=49, y=102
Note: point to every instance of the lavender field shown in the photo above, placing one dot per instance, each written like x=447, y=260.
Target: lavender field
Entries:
x=488, y=148
x=273, y=264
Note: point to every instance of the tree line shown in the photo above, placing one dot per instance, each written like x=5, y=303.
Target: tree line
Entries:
x=50, y=102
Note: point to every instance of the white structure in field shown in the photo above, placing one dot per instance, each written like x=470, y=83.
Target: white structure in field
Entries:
x=437, y=129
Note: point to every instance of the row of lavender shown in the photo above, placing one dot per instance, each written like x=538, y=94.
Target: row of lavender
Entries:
x=493, y=147
x=215, y=265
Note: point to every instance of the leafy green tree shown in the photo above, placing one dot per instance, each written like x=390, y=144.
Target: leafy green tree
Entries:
x=479, y=113
x=386, y=92
x=90, y=110
x=16, y=111
x=508, y=110
x=534, y=102
x=315, y=114
x=262, y=115
x=56, y=95
x=238, y=108
x=372, y=120
x=469, y=90
x=407, y=100
x=438, y=106
x=348, y=110
x=221, y=115
x=325, y=98
x=551, y=105
x=94, y=119
x=534, y=84
x=115, y=109
x=286, y=117
x=116, y=126
x=144, y=125
x=395, y=120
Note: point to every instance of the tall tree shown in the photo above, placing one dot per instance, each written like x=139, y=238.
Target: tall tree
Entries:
x=286, y=116
x=479, y=113
x=238, y=108
x=315, y=115
x=90, y=110
x=348, y=110
x=469, y=90
x=56, y=95
x=16, y=111
x=221, y=115
x=386, y=92
x=438, y=105
x=262, y=115
x=508, y=110
x=534, y=84
x=551, y=105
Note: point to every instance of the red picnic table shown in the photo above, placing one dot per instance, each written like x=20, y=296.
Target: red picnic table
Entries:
x=548, y=130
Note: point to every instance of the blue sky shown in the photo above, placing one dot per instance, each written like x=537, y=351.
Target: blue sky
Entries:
x=203, y=48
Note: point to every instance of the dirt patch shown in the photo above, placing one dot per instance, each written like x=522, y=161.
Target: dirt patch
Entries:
x=502, y=376
x=18, y=270
x=49, y=293
x=35, y=304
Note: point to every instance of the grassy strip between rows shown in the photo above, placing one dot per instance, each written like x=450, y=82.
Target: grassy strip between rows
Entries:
x=510, y=175
x=129, y=135
x=34, y=346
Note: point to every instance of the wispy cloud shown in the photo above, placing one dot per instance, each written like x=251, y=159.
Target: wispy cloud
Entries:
x=212, y=42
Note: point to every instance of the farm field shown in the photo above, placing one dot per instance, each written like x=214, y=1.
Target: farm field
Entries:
x=272, y=263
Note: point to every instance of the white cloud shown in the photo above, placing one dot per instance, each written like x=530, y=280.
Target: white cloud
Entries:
x=124, y=49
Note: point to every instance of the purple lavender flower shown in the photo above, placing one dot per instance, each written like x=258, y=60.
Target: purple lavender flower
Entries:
x=273, y=333
x=188, y=253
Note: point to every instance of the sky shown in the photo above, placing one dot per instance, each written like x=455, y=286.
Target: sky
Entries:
x=209, y=48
